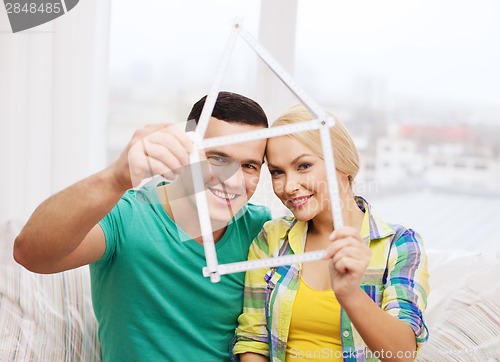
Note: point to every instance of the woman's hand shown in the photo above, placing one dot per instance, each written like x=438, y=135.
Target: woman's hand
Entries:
x=349, y=257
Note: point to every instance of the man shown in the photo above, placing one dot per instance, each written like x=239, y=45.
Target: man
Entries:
x=144, y=246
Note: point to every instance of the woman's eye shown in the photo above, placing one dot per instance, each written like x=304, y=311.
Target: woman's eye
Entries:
x=275, y=173
x=304, y=166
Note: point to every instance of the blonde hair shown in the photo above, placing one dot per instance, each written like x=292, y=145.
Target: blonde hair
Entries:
x=345, y=152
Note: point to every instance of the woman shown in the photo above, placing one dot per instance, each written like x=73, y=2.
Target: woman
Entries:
x=365, y=300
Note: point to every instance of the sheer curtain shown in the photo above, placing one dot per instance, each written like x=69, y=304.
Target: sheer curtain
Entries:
x=53, y=101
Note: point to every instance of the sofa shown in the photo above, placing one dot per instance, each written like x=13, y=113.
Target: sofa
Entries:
x=50, y=317
x=44, y=317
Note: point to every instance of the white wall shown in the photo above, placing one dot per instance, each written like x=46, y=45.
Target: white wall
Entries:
x=277, y=28
x=53, y=87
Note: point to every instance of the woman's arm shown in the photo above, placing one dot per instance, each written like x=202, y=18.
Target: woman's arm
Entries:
x=253, y=357
x=390, y=331
x=391, y=338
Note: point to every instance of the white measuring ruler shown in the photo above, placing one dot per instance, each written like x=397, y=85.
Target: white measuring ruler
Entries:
x=208, y=107
x=242, y=266
x=323, y=122
x=194, y=159
x=265, y=133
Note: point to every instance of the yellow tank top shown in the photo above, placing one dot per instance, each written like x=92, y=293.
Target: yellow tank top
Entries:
x=314, y=333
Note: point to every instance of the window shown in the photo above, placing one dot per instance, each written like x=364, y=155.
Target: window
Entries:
x=164, y=55
x=393, y=70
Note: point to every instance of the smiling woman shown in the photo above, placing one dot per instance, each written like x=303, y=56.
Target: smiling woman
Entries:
x=370, y=62
x=374, y=274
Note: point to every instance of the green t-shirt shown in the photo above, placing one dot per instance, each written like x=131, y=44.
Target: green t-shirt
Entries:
x=149, y=295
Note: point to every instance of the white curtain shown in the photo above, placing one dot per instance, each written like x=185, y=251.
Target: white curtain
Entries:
x=53, y=105
x=277, y=29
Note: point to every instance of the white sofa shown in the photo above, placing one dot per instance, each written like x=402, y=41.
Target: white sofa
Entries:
x=50, y=317
x=45, y=318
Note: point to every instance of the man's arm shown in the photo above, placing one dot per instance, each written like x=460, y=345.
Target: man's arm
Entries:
x=63, y=232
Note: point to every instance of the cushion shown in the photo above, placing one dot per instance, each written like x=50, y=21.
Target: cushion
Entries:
x=463, y=313
x=44, y=317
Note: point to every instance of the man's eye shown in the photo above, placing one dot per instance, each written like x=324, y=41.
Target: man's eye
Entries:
x=275, y=173
x=249, y=166
x=218, y=160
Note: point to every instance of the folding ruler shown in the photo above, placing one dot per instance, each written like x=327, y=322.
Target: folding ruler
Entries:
x=322, y=122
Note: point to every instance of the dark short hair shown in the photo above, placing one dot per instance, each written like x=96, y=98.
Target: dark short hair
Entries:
x=231, y=108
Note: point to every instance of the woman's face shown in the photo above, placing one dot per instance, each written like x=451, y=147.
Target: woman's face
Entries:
x=298, y=176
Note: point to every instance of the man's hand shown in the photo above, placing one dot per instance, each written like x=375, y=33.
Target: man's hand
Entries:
x=161, y=149
x=63, y=233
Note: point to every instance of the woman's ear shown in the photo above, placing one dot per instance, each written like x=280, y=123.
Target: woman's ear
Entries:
x=343, y=176
x=345, y=181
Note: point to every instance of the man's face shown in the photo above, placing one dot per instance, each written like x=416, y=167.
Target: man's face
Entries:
x=233, y=171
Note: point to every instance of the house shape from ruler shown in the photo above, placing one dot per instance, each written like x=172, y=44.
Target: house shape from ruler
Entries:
x=322, y=122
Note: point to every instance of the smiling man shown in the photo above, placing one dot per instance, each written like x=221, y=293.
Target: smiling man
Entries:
x=144, y=246
x=231, y=174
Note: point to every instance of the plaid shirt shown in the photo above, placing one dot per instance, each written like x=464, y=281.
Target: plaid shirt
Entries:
x=396, y=279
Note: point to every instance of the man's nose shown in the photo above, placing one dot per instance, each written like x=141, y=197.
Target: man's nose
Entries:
x=223, y=171
x=235, y=179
